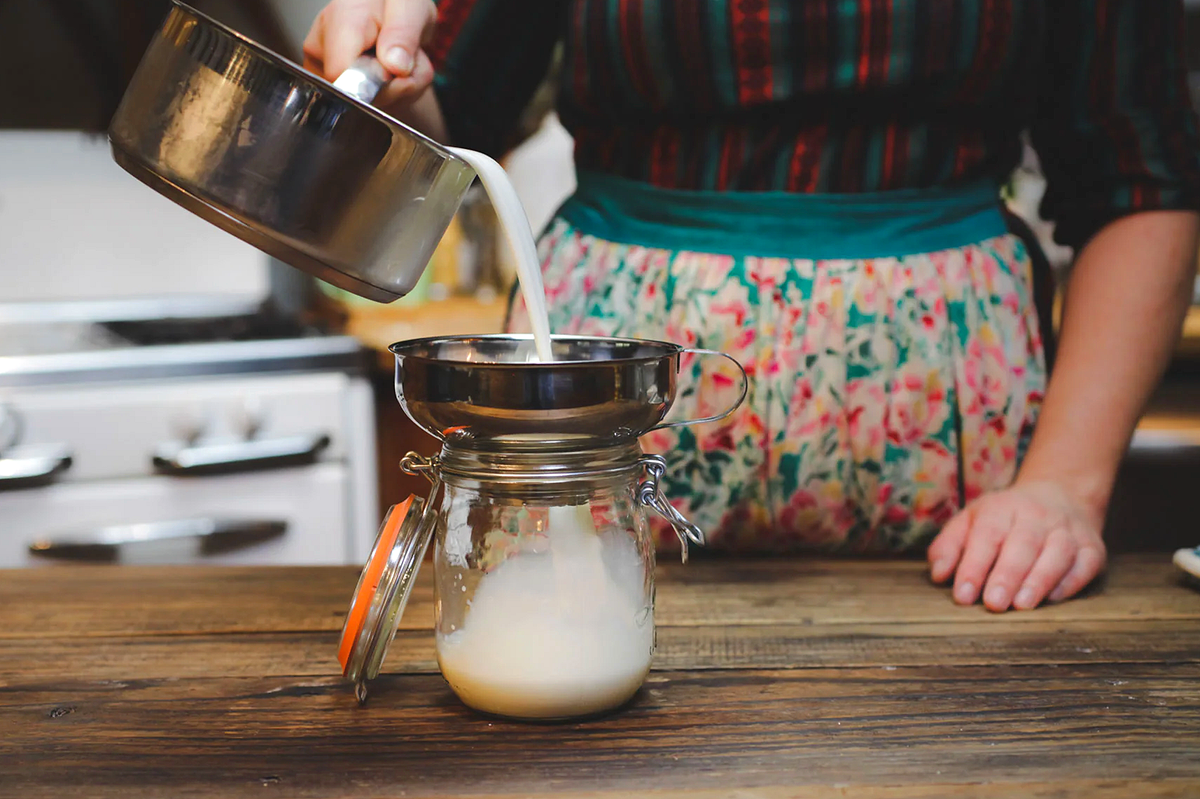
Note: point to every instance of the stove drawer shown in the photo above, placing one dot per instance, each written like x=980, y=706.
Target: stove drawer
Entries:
x=140, y=429
x=308, y=502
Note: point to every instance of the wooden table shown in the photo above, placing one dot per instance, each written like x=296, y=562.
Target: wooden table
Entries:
x=772, y=679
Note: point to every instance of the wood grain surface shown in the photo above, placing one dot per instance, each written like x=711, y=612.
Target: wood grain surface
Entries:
x=773, y=679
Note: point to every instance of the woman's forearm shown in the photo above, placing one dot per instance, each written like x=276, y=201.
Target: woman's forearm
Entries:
x=1123, y=309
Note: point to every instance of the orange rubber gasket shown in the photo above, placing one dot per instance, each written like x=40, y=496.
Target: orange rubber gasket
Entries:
x=370, y=581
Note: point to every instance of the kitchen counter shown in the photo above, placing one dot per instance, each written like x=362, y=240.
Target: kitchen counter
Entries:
x=380, y=326
x=772, y=679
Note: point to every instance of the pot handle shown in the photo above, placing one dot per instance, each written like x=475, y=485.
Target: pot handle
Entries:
x=364, y=78
x=728, y=411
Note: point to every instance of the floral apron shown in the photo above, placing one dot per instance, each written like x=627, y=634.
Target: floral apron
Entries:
x=891, y=340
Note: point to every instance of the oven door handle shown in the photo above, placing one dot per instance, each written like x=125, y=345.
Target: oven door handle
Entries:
x=33, y=465
x=213, y=536
x=203, y=458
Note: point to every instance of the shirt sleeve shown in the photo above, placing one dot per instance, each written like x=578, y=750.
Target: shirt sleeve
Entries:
x=490, y=57
x=1115, y=129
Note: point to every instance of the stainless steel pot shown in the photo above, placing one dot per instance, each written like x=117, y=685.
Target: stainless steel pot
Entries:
x=303, y=169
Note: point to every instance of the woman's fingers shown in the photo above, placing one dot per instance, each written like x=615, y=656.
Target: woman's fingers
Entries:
x=397, y=29
x=1017, y=555
x=1089, y=562
x=344, y=30
x=314, y=43
x=947, y=548
x=406, y=25
x=352, y=28
x=989, y=528
x=1051, y=566
x=406, y=88
x=1020, y=546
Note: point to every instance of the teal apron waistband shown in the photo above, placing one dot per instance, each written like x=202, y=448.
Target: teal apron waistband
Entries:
x=783, y=224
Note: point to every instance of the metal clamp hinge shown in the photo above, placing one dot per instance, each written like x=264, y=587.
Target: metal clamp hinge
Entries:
x=651, y=495
x=416, y=464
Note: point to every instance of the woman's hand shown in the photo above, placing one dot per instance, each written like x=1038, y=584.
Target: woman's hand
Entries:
x=1041, y=538
x=1028, y=543
x=397, y=29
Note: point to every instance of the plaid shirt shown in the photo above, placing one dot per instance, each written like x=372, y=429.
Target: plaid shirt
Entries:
x=833, y=96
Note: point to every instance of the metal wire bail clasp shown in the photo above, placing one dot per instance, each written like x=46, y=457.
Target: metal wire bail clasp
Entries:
x=650, y=494
x=416, y=464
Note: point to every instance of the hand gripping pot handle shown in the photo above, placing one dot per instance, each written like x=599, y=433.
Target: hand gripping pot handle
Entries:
x=363, y=79
x=745, y=389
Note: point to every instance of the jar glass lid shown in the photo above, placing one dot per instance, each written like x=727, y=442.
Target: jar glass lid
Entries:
x=383, y=589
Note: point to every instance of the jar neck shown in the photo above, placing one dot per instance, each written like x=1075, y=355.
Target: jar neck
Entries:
x=525, y=466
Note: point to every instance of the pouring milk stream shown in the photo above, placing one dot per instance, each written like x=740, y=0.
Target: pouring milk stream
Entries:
x=520, y=238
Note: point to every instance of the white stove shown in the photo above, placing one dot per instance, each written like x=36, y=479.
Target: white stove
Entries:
x=147, y=416
x=120, y=449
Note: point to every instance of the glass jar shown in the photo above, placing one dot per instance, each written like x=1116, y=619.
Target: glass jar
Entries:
x=544, y=569
x=544, y=577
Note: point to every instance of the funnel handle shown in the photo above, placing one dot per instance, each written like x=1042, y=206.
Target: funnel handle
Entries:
x=728, y=411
